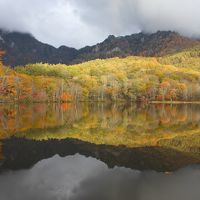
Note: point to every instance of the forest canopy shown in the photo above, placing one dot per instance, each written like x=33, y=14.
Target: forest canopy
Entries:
x=171, y=78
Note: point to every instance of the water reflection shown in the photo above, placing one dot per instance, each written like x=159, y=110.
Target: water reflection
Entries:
x=127, y=140
x=77, y=177
x=18, y=118
x=161, y=137
x=23, y=154
x=130, y=125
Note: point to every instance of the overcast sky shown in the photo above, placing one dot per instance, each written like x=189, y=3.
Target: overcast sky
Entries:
x=77, y=23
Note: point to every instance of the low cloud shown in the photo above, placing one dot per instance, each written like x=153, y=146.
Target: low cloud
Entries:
x=78, y=23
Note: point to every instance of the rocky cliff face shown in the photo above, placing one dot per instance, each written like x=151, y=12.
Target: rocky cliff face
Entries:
x=157, y=44
x=23, y=48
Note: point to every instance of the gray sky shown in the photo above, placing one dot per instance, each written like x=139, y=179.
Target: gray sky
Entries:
x=78, y=23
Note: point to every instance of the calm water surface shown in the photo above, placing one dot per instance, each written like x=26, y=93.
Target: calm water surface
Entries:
x=99, y=151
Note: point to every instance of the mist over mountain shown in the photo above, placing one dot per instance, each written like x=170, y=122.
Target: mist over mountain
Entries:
x=78, y=23
x=23, y=48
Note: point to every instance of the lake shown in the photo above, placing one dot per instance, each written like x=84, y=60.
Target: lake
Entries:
x=100, y=151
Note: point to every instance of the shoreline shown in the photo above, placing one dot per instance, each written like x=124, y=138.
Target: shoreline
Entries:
x=110, y=102
x=175, y=102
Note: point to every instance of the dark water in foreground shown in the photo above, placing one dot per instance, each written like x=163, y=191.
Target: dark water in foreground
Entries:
x=99, y=152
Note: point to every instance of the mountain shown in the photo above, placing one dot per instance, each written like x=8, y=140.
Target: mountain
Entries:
x=23, y=48
x=141, y=44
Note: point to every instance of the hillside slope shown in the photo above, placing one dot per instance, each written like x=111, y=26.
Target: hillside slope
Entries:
x=125, y=79
x=189, y=58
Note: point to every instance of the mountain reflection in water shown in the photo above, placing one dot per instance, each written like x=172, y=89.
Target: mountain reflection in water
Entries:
x=77, y=177
x=99, y=151
x=158, y=137
x=22, y=154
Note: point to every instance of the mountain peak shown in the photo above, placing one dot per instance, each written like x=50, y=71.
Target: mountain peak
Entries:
x=111, y=37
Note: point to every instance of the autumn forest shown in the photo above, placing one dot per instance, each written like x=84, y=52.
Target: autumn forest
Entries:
x=174, y=77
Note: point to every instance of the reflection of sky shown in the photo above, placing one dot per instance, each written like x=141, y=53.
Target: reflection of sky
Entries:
x=80, y=178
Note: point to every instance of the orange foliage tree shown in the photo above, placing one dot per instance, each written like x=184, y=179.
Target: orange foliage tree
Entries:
x=65, y=97
x=1, y=55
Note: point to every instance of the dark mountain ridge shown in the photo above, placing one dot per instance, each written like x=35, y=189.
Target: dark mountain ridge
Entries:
x=23, y=48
